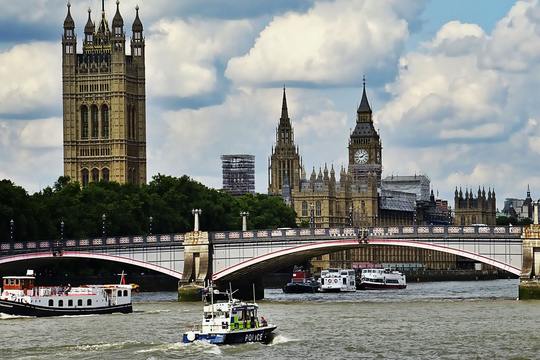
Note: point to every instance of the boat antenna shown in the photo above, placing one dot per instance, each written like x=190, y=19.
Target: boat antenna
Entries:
x=253, y=284
x=212, y=300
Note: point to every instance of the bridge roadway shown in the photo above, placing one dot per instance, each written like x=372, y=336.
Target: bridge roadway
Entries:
x=244, y=254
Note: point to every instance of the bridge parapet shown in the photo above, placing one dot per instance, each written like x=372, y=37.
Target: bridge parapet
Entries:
x=82, y=244
x=397, y=232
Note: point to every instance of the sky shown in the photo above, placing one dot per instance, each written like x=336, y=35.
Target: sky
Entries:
x=453, y=85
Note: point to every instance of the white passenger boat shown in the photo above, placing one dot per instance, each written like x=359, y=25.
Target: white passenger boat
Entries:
x=372, y=279
x=338, y=280
x=20, y=296
x=229, y=321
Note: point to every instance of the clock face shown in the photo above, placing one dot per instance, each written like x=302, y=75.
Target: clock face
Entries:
x=361, y=156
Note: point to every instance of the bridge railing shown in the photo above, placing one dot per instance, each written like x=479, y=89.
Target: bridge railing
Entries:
x=102, y=242
x=432, y=231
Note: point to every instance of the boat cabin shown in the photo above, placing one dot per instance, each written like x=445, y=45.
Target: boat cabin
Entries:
x=230, y=316
x=20, y=284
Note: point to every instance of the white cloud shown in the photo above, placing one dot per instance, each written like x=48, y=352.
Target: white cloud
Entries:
x=46, y=133
x=462, y=106
x=514, y=44
x=31, y=152
x=456, y=38
x=183, y=55
x=31, y=78
x=333, y=43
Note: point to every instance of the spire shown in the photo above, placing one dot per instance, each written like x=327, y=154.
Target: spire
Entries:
x=528, y=191
x=284, y=110
x=117, y=20
x=137, y=24
x=90, y=27
x=364, y=103
x=68, y=22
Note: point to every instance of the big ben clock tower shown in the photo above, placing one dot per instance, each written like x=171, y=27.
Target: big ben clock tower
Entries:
x=365, y=149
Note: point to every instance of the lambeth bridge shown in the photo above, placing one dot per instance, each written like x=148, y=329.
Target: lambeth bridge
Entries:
x=239, y=256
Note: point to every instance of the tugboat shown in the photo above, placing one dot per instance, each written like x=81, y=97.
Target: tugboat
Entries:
x=374, y=279
x=229, y=321
x=21, y=297
x=338, y=280
x=301, y=282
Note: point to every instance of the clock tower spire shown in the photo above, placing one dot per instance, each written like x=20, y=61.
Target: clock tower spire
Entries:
x=365, y=149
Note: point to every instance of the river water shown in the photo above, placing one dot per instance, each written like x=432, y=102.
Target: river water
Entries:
x=445, y=320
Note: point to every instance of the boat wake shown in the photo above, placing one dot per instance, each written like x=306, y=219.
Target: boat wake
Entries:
x=194, y=347
x=104, y=346
x=281, y=339
x=10, y=317
x=155, y=311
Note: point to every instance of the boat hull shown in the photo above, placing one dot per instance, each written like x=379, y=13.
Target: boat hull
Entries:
x=262, y=335
x=292, y=288
x=378, y=286
x=22, y=309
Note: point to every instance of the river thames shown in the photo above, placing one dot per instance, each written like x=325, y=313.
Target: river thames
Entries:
x=445, y=320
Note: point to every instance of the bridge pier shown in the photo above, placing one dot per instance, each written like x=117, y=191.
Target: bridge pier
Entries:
x=197, y=266
x=529, y=286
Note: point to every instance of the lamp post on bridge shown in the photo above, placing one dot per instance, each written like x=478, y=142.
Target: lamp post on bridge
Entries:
x=244, y=215
x=351, y=215
x=11, y=230
x=150, y=219
x=196, y=213
x=103, y=219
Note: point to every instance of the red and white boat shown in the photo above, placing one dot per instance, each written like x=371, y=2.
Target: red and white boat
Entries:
x=20, y=296
x=372, y=279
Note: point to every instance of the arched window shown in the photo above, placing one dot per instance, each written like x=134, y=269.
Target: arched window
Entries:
x=304, y=208
x=84, y=122
x=133, y=123
x=105, y=122
x=94, y=120
x=70, y=302
x=119, y=293
x=84, y=177
x=105, y=174
x=317, y=208
x=51, y=302
x=60, y=303
x=79, y=302
x=128, y=122
x=89, y=302
x=95, y=175
x=125, y=293
x=462, y=219
x=474, y=219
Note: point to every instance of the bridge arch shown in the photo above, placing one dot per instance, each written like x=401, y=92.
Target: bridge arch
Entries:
x=88, y=255
x=297, y=254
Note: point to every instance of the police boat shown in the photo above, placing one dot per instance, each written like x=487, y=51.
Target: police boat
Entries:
x=227, y=320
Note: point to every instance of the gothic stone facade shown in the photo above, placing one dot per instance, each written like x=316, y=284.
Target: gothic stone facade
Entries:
x=104, y=102
x=470, y=210
x=323, y=200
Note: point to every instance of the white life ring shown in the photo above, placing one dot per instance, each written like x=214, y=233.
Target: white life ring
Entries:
x=191, y=336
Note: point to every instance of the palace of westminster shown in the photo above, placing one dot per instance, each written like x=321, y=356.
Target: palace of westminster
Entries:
x=104, y=125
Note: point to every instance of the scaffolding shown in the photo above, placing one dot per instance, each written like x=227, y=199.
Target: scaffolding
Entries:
x=238, y=174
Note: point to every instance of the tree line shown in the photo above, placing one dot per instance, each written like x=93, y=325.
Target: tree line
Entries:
x=162, y=206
